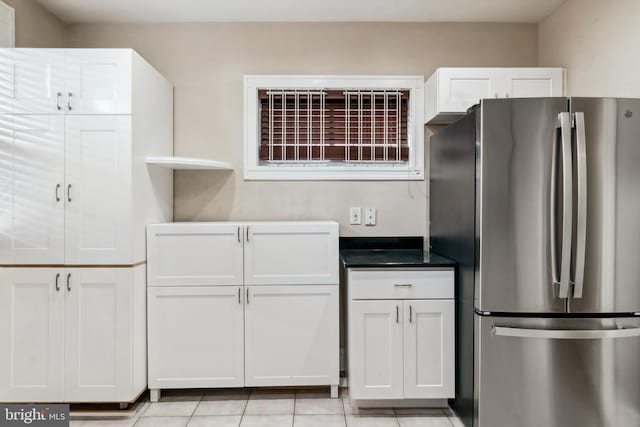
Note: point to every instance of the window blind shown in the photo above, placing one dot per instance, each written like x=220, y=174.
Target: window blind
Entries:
x=337, y=125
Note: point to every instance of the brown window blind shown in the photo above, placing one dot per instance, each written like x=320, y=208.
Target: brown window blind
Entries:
x=333, y=125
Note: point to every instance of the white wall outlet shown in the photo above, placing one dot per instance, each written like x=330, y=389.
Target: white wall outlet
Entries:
x=355, y=216
x=370, y=216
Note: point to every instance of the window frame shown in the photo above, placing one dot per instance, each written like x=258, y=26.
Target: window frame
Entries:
x=411, y=171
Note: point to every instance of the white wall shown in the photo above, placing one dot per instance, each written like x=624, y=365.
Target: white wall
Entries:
x=598, y=41
x=36, y=26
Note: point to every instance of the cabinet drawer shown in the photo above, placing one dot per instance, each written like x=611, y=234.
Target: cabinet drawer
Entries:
x=401, y=283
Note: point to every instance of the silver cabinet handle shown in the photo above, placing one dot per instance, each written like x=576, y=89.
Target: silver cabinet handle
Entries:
x=69, y=282
x=410, y=313
x=239, y=241
x=58, y=282
x=403, y=285
x=247, y=233
x=57, y=192
x=397, y=314
x=69, y=101
x=247, y=296
x=69, y=192
x=565, y=334
x=581, y=215
x=58, y=99
x=239, y=290
x=567, y=204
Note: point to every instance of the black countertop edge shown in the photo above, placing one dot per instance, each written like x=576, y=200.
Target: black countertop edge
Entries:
x=389, y=252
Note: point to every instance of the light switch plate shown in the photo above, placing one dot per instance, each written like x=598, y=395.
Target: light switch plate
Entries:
x=355, y=216
x=370, y=216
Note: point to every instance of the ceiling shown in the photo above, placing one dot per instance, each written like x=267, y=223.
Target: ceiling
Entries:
x=301, y=10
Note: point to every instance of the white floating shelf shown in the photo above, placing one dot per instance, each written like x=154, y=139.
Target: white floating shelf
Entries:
x=188, y=163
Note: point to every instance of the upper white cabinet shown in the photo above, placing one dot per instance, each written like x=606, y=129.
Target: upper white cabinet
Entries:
x=66, y=81
x=76, y=126
x=449, y=92
x=291, y=254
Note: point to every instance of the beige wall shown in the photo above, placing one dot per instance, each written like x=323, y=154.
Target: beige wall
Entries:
x=206, y=63
x=599, y=44
x=36, y=26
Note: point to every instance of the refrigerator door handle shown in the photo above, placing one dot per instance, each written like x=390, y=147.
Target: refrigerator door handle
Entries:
x=565, y=334
x=567, y=204
x=581, y=215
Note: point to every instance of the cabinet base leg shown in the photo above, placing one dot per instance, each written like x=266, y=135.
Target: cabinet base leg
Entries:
x=124, y=405
x=154, y=394
x=334, y=391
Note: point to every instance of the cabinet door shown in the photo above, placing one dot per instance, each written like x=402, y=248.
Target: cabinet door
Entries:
x=31, y=80
x=32, y=331
x=31, y=189
x=98, y=307
x=532, y=82
x=281, y=253
x=98, y=81
x=375, y=350
x=461, y=88
x=194, y=254
x=98, y=190
x=429, y=349
x=196, y=336
x=291, y=335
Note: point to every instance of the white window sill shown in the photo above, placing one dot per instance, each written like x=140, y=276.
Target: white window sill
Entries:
x=265, y=173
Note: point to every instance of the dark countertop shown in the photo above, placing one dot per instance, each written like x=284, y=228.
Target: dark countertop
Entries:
x=388, y=252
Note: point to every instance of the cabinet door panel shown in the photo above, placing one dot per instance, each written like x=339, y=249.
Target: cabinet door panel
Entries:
x=429, y=353
x=195, y=254
x=31, y=189
x=31, y=80
x=461, y=88
x=196, y=337
x=375, y=350
x=291, y=335
x=532, y=82
x=98, y=334
x=291, y=253
x=99, y=81
x=98, y=191
x=31, y=327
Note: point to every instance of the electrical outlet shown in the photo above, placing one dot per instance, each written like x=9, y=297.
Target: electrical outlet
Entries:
x=355, y=216
x=370, y=216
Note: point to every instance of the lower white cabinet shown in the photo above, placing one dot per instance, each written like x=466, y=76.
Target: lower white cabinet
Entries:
x=196, y=336
x=291, y=335
x=73, y=335
x=398, y=347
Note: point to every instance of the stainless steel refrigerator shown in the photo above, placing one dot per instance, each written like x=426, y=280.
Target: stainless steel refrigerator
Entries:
x=539, y=202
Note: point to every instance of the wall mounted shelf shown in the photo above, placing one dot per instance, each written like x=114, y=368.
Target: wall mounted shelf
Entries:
x=188, y=163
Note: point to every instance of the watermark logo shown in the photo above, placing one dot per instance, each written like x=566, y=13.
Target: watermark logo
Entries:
x=34, y=415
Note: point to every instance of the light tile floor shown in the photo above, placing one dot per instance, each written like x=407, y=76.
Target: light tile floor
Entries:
x=266, y=408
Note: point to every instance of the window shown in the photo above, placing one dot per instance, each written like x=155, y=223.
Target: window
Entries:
x=334, y=127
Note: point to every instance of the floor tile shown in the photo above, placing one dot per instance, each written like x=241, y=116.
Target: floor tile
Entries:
x=105, y=423
x=419, y=411
x=221, y=407
x=217, y=421
x=371, y=421
x=181, y=395
x=272, y=394
x=162, y=422
x=349, y=409
x=270, y=406
x=456, y=422
x=319, y=406
x=424, y=421
x=267, y=421
x=171, y=409
x=319, y=421
x=227, y=394
x=314, y=395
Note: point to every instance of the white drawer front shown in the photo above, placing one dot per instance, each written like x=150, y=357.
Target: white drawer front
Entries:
x=402, y=283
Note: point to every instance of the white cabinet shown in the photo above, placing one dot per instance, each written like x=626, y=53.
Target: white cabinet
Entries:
x=72, y=334
x=401, y=333
x=449, y=92
x=32, y=330
x=31, y=189
x=290, y=254
x=220, y=316
x=375, y=345
x=291, y=335
x=196, y=336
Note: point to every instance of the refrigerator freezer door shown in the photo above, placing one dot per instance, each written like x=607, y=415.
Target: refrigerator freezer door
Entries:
x=611, y=281
x=557, y=372
x=519, y=144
